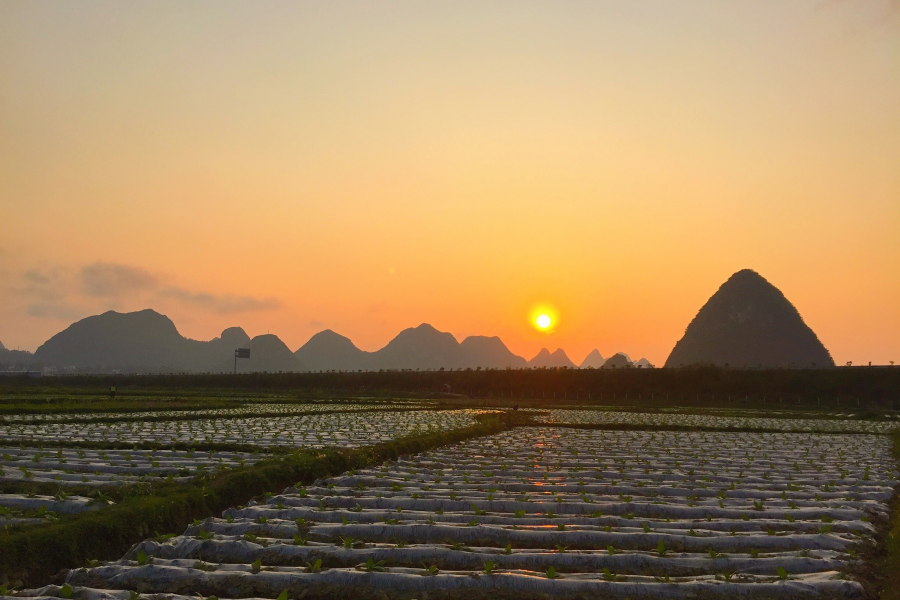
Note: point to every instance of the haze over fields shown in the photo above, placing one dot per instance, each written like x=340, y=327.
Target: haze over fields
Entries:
x=366, y=167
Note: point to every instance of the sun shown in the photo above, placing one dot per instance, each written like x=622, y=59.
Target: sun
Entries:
x=544, y=318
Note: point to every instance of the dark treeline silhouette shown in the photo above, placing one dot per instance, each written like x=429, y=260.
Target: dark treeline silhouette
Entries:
x=829, y=387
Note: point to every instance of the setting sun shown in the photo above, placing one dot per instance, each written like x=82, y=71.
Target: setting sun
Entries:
x=544, y=318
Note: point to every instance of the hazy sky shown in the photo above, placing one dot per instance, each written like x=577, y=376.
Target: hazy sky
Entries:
x=369, y=166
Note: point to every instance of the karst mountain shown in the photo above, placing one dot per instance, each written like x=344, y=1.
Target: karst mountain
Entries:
x=749, y=323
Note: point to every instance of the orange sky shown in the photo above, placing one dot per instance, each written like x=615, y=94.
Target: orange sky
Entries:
x=369, y=166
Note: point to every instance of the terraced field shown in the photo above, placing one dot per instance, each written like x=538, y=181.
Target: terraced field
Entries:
x=836, y=423
x=564, y=512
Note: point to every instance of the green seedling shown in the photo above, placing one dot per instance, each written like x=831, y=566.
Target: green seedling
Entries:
x=782, y=573
x=314, y=567
x=66, y=591
x=489, y=567
x=370, y=565
x=661, y=548
x=551, y=573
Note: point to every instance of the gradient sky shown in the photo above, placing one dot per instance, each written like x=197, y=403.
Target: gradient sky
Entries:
x=368, y=166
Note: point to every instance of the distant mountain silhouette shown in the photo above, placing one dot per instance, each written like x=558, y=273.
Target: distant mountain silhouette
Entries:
x=139, y=341
x=643, y=364
x=488, y=352
x=422, y=347
x=231, y=338
x=148, y=342
x=328, y=351
x=617, y=361
x=17, y=360
x=557, y=359
x=267, y=354
x=747, y=323
x=594, y=360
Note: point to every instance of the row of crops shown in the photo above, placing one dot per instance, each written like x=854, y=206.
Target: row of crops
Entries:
x=344, y=429
x=205, y=413
x=78, y=466
x=49, y=463
x=782, y=511
x=710, y=421
x=544, y=510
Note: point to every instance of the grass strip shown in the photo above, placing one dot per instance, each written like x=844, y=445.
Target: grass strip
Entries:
x=887, y=562
x=31, y=556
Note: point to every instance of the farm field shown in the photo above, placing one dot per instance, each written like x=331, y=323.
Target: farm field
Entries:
x=78, y=466
x=568, y=501
x=249, y=409
x=834, y=422
x=346, y=429
x=558, y=511
x=20, y=509
x=49, y=462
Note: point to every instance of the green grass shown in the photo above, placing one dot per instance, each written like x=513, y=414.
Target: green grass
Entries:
x=887, y=562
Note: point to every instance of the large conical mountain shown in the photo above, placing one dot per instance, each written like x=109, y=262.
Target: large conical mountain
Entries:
x=749, y=323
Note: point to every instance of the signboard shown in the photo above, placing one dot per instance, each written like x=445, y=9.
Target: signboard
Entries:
x=242, y=353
